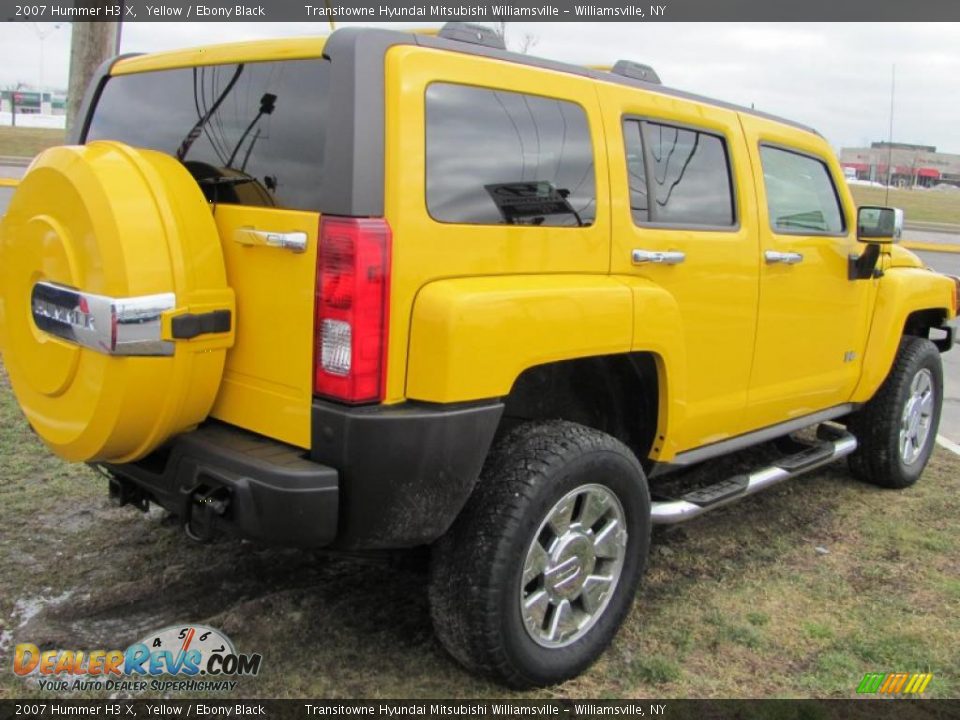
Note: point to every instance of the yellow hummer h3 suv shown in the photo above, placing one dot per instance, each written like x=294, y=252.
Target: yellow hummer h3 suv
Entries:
x=388, y=289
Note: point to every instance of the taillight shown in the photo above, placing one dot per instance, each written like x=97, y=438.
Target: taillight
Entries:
x=351, y=309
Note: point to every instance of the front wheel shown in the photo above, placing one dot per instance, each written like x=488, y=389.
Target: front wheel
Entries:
x=897, y=428
x=533, y=580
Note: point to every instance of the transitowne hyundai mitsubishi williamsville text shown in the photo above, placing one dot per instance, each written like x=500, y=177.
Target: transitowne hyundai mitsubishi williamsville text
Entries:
x=389, y=289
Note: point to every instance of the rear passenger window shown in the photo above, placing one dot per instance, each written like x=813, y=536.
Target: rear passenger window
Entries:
x=505, y=158
x=801, y=197
x=678, y=176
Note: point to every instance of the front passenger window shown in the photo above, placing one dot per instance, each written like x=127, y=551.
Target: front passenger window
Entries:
x=801, y=197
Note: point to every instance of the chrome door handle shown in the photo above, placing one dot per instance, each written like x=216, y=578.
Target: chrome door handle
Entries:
x=292, y=241
x=666, y=257
x=773, y=257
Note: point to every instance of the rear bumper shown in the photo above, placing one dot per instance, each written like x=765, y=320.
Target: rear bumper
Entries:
x=375, y=477
x=219, y=478
x=406, y=470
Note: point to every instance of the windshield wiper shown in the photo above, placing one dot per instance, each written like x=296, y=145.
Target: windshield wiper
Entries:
x=198, y=128
x=225, y=180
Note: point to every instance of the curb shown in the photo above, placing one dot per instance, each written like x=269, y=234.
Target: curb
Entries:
x=931, y=247
x=15, y=161
x=945, y=442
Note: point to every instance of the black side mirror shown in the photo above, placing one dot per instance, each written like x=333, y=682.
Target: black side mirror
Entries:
x=876, y=227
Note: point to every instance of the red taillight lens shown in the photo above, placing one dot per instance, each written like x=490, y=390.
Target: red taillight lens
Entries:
x=352, y=296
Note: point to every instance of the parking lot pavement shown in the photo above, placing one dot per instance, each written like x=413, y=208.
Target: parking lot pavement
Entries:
x=950, y=420
x=930, y=237
x=6, y=193
x=8, y=171
x=13, y=171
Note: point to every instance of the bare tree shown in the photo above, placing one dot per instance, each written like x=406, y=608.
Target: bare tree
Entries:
x=90, y=44
x=523, y=44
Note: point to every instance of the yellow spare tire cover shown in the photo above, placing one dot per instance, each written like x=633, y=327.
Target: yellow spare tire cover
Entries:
x=111, y=242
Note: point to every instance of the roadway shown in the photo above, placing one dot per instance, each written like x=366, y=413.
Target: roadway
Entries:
x=941, y=261
x=8, y=171
x=950, y=420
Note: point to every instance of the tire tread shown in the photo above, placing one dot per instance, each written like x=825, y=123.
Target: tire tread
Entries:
x=470, y=563
x=875, y=425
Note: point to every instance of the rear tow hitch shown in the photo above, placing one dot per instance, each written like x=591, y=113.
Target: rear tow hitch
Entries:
x=202, y=510
x=123, y=492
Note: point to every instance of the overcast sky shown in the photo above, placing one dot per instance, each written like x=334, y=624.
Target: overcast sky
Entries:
x=833, y=76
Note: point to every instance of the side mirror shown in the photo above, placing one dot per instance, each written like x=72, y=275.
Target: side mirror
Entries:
x=879, y=225
x=876, y=226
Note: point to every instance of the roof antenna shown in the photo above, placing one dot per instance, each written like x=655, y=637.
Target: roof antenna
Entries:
x=333, y=23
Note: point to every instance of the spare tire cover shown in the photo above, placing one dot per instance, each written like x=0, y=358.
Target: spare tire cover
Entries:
x=103, y=245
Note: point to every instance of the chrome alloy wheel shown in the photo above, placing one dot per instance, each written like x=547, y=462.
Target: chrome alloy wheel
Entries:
x=917, y=417
x=573, y=566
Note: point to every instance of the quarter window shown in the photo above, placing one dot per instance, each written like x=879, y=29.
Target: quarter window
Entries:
x=678, y=176
x=801, y=197
x=505, y=158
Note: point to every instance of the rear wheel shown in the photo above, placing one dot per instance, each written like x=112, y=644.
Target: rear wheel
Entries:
x=897, y=428
x=535, y=577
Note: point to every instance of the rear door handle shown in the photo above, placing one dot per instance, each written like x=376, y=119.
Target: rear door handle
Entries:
x=774, y=257
x=292, y=241
x=667, y=257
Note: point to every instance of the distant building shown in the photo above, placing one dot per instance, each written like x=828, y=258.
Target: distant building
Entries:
x=910, y=165
x=33, y=102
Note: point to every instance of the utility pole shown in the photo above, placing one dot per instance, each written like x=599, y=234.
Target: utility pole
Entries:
x=893, y=87
x=42, y=35
x=91, y=43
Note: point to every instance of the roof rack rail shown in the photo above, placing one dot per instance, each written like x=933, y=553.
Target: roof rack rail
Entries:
x=637, y=71
x=472, y=33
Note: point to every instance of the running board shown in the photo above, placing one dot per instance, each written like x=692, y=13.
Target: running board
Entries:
x=835, y=443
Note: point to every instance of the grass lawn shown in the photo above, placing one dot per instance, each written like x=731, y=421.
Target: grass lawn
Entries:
x=737, y=604
x=27, y=142
x=920, y=205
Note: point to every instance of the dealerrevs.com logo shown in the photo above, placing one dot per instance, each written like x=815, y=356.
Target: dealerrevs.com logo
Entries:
x=179, y=657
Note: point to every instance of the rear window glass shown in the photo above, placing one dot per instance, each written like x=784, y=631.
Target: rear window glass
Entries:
x=252, y=133
x=505, y=158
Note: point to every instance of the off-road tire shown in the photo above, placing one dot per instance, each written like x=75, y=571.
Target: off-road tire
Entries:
x=476, y=568
x=876, y=425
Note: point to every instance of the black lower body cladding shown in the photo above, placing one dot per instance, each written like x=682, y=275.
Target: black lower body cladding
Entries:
x=405, y=471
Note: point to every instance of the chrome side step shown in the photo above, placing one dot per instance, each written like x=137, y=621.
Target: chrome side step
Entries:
x=834, y=443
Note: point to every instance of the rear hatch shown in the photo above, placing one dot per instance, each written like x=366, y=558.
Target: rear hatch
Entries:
x=252, y=134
